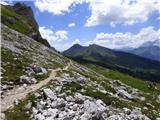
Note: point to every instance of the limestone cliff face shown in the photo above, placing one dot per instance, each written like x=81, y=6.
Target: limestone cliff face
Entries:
x=21, y=18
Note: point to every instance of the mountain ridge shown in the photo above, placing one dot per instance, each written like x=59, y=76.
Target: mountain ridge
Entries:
x=115, y=59
x=150, y=50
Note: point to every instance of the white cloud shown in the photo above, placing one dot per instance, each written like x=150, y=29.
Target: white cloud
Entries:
x=57, y=7
x=52, y=36
x=61, y=35
x=71, y=25
x=126, y=12
x=57, y=39
x=77, y=41
x=122, y=40
x=3, y=2
x=112, y=12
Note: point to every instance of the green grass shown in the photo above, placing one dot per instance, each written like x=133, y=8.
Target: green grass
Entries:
x=129, y=80
x=19, y=111
x=15, y=69
x=9, y=11
x=41, y=77
x=107, y=99
x=21, y=24
x=74, y=87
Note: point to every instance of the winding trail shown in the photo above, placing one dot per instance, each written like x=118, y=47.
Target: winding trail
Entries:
x=21, y=92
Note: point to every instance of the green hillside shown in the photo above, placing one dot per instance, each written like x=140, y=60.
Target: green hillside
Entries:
x=121, y=61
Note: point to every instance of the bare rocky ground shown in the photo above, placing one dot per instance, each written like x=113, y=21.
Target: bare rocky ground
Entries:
x=76, y=93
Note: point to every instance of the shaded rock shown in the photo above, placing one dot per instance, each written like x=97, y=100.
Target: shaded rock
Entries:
x=52, y=112
x=158, y=99
x=2, y=116
x=25, y=79
x=124, y=94
x=29, y=105
x=33, y=81
x=39, y=116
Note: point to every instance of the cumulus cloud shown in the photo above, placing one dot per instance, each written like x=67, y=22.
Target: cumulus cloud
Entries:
x=126, y=12
x=112, y=12
x=52, y=36
x=122, y=40
x=77, y=41
x=57, y=7
x=71, y=25
x=61, y=35
x=4, y=3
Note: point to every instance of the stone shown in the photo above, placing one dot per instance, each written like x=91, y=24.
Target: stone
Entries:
x=41, y=104
x=29, y=105
x=2, y=116
x=4, y=87
x=100, y=105
x=25, y=85
x=25, y=79
x=158, y=99
x=49, y=93
x=127, y=111
x=85, y=116
x=44, y=71
x=79, y=98
x=39, y=116
x=82, y=80
x=142, y=98
x=34, y=110
x=62, y=114
x=33, y=81
x=69, y=98
x=52, y=112
x=71, y=113
x=37, y=95
x=124, y=94
x=74, y=108
x=58, y=89
x=60, y=102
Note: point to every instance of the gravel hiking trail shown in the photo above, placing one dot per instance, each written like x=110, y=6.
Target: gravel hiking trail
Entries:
x=20, y=93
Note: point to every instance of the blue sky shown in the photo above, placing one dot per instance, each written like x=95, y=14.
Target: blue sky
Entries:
x=114, y=24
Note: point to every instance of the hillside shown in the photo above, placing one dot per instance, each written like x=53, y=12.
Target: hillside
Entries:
x=74, y=86
x=39, y=83
x=20, y=17
x=121, y=61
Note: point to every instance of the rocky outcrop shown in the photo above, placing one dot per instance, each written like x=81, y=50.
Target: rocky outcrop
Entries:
x=25, y=16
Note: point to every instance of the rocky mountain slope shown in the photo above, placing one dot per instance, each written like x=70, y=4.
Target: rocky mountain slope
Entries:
x=21, y=18
x=116, y=60
x=38, y=83
x=77, y=92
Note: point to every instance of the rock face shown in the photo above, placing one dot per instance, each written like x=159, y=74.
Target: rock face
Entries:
x=24, y=10
x=26, y=13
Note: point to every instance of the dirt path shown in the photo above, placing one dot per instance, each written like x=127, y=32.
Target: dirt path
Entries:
x=21, y=92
